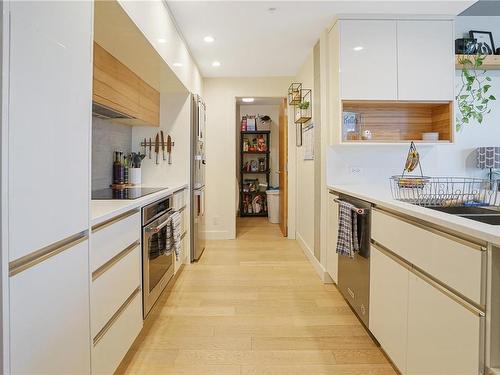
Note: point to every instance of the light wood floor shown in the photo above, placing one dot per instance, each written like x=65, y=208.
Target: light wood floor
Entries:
x=253, y=306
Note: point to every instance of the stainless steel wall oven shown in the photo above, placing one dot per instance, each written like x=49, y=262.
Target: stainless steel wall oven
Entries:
x=157, y=251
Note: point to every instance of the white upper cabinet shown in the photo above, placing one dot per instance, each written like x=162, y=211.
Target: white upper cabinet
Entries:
x=426, y=66
x=49, y=122
x=368, y=60
x=410, y=60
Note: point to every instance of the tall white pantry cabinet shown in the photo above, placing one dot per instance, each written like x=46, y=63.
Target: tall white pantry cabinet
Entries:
x=46, y=127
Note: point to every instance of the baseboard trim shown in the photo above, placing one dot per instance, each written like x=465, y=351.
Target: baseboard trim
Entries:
x=320, y=270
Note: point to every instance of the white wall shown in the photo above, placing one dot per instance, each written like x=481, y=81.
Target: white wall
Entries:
x=220, y=95
x=175, y=120
x=272, y=111
x=305, y=171
x=379, y=162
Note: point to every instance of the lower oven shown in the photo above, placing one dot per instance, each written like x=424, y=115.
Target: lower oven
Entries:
x=157, y=251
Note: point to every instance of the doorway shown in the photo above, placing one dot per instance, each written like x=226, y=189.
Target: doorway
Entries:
x=261, y=164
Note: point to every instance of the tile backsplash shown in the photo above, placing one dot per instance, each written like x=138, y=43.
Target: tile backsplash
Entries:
x=106, y=138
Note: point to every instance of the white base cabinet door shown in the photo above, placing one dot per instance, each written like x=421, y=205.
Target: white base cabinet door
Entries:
x=389, y=306
x=443, y=336
x=332, y=259
x=49, y=315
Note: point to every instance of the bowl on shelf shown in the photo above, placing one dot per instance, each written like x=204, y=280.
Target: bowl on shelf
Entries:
x=430, y=136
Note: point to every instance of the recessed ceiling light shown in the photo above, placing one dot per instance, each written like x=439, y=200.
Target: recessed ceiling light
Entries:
x=209, y=39
x=358, y=48
x=216, y=63
x=178, y=64
x=248, y=100
x=272, y=9
x=162, y=40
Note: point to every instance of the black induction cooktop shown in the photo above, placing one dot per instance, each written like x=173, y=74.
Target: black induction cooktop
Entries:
x=128, y=193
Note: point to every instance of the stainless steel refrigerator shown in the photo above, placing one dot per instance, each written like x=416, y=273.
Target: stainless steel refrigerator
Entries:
x=198, y=121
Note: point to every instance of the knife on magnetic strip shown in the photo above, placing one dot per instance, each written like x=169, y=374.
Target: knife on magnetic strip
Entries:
x=162, y=144
x=157, y=146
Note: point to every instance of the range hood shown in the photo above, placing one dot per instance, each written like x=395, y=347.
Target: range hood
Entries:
x=107, y=113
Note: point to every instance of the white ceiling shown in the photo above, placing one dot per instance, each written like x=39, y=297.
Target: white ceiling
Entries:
x=252, y=41
x=260, y=101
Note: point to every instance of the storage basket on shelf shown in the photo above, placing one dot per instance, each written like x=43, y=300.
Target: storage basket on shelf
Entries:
x=445, y=191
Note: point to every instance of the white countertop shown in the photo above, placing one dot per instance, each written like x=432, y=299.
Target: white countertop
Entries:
x=381, y=196
x=104, y=209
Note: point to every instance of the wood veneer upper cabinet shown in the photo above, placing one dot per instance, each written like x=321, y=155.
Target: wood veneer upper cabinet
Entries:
x=426, y=60
x=368, y=60
x=119, y=88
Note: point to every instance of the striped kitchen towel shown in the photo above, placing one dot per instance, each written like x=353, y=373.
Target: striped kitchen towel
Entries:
x=175, y=232
x=347, y=240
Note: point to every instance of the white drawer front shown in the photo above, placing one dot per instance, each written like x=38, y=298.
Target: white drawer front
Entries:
x=112, y=288
x=454, y=263
x=110, y=350
x=110, y=240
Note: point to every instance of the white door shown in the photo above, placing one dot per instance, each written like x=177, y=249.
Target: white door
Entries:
x=368, y=60
x=49, y=315
x=389, y=305
x=49, y=122
x=332, y=230
x=426, y=60
x=443, y=336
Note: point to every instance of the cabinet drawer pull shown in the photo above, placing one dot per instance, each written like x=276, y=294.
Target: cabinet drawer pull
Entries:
x=432, y=228
x=115, y=316
x=113, y=220
x=36, y=257
x=110, y=263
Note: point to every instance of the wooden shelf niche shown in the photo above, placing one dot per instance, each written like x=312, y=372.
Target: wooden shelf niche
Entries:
x=394, y=122
x=491, y=62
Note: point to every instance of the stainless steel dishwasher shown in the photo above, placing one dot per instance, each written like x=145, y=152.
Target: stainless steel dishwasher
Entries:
x=354, y=273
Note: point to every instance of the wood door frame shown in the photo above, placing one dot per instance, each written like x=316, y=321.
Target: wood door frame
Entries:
x=283, y=166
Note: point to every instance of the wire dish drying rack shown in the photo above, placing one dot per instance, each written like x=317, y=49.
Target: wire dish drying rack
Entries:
x=445, y=191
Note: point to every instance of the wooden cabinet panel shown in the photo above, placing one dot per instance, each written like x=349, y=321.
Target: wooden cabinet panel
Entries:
x=443, y=336
x=49, y=123
x=49, y=315
x=119, y=88
x=433, y=39
x=363, y=45
x=333, y=227
x=389, y=305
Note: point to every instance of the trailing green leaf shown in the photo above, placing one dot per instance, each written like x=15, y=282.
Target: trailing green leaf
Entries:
x=473, y=100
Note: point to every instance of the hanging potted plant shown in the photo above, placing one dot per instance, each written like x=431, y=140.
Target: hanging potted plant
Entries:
x=473, y=98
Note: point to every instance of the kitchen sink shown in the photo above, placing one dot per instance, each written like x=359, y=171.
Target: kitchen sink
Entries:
x=482, y=214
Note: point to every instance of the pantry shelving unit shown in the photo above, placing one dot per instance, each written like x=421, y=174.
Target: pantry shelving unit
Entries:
x=247, y=197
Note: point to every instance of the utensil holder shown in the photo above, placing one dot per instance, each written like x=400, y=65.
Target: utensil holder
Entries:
x=134, y=176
